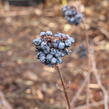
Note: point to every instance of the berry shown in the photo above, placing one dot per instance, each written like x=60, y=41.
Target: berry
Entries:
x=55, y=43
x=49, y=33
x=46, y=49
x=49, y=57
x=57, y=35
x=42, y=33
x=66, y=51
x=37, y=41
x=71, y=20
x=58, y=53
x=68, y=13
x=79, y=16
x=63, y=54
x=47, y=62
x=61, y=45
x=71, y=39
x=64, y=8
x=63, y=36
x=81, y=51
x=42, y=58
x=53, y=51
x=74, y=12
x=68, y=43
x=53, y=60
x=40, y=54
x=43, y=45
x=59, y=60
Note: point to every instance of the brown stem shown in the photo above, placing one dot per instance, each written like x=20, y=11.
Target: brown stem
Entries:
x=63, y=85
x=4, y=104
x=80, y=90
x=92, y=64
x=89, y=62
x=96, y=74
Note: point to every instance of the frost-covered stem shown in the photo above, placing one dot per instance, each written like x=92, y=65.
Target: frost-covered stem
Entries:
x=63, y=85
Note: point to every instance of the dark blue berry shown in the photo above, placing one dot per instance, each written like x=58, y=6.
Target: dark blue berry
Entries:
x=42, y=33
x=49, y=33
x=61, y=45
x=53, y=60
x=37, y=41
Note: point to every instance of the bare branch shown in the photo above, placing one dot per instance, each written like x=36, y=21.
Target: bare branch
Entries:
x=95, y=72
x=79, y=91
x=4, y=103
x=96, y=104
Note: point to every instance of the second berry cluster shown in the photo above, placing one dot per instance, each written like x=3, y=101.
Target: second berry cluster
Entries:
x=72, y=15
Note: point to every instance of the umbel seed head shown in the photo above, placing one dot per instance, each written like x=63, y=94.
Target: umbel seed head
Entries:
x=51, y=47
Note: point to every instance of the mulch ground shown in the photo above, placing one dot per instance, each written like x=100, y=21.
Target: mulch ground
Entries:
x=25, y=82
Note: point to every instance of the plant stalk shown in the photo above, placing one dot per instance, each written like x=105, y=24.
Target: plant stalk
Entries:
x=63, y=85
x=89, y=64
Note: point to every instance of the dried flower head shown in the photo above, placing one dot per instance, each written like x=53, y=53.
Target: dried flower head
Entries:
x=51, y=47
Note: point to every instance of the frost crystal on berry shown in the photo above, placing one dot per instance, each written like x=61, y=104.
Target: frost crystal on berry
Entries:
x=52, y=47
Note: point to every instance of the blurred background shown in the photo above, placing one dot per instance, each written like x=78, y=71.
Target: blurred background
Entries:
x=27, y=84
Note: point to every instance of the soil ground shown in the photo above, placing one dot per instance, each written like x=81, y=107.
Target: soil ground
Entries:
x=28, y=84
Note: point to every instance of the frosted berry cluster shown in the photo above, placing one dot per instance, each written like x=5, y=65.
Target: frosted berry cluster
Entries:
x=72, y=15
x=51, y=47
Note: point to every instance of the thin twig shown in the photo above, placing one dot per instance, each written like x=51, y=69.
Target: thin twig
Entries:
x=88, y=90
x=80, y=90
x=104, y=32
x=89, y=63
x=14, y=13
x=4, y=103
x=88, y=76
x=95, y=104
x=95, y=72
x=63, y=85
x=92, y=63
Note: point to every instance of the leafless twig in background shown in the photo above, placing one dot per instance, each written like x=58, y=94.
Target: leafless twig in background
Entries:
x=79, y=91
x=95, y=72
x=95, y=104
x=91, y=69
x=89, y=62
x=92, y=65
x=4, y=103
